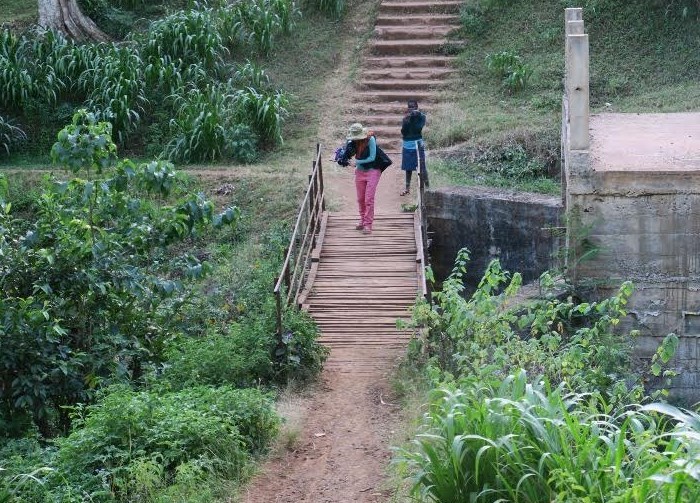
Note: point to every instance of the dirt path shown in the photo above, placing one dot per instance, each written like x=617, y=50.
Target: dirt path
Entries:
x=335, y=447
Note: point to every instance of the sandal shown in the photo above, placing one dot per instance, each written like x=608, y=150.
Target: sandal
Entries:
x=405, y=192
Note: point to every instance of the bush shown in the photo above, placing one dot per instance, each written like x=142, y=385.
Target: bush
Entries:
x=250, y=354
x=189, y=37
x=222, y=426
x=86, y=279
x=508, y=67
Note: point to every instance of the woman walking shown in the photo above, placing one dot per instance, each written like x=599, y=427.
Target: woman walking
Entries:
x=413, y=148
x=363, y=145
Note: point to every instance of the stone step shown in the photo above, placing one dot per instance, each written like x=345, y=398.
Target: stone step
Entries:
x=393, y=108
x=398, y=96
x=408, y=73
x=418, y=20
x=435, y=60
x=403, y=7
x=404, y=85
x=407, y=47
x=411, y=33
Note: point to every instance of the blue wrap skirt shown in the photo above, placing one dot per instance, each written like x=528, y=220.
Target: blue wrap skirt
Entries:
x=409, y=156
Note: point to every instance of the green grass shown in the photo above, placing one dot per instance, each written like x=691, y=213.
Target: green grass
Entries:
x=18, y=12
x=644, y=57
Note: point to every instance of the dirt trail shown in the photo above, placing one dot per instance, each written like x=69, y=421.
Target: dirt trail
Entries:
x=340, y=432
x=338, y=437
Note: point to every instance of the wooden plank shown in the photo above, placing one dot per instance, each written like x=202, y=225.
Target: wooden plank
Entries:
x=363, y=284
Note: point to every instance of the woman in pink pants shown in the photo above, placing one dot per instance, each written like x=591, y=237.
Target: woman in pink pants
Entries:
x=364, y=146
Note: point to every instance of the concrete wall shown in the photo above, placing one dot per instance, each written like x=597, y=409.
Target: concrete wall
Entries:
x=516, y=228
x=646, y=227
x=633, y=193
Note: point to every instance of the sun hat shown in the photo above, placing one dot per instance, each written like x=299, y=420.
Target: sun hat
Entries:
x=357, y=132
x=412, y=105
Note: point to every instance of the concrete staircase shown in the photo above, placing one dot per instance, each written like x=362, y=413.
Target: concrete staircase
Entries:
x=406, y=61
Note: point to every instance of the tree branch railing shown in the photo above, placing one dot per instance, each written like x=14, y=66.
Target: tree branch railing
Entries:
x=302, y=242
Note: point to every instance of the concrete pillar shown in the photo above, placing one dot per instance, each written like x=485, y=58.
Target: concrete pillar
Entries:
x=573, y=14
x=577, y=88
x=574, y=28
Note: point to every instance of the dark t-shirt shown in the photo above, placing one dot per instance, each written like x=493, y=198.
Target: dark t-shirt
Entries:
x=412, y=126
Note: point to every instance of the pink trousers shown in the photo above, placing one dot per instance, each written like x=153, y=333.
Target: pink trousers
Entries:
x=366, y=182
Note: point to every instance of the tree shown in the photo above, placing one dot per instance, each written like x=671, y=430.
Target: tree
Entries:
x=66, y=17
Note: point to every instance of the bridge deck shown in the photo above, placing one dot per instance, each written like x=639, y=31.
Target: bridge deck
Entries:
x=362, y=285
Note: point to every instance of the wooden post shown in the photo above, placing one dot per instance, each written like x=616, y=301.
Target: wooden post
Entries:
x=278, y=301
x=320, y=177
x=577, y=90
x=286, y=272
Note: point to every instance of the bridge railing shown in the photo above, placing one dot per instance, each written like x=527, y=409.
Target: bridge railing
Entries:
x=302, y=241
x=422, y=223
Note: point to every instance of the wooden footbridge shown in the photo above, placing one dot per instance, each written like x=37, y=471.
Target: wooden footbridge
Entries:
x=355, y=286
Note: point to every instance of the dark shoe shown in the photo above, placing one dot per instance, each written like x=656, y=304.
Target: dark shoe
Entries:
x=366, y=230
x=405, y=192
x=359, y=227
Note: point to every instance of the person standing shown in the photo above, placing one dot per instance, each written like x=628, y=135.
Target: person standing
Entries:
x=413, y=148
x=363, y=145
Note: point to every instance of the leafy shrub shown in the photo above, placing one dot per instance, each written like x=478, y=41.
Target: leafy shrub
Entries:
x=250, y=353
x=24, y=75
x=576, y=343
x=240, y=358
x=473, y=19
x=508, y=67
x=85, y=280
x=334, y=8
x=258, y=22
x=264, y=110
x=123, y=431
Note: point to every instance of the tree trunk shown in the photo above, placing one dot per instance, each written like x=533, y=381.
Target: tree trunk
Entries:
x=65, y=16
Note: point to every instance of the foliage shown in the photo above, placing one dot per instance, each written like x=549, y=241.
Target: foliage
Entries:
x=574, y=343
x=265, y=111
x=117, y=88
x=138, y=446
x=10, y=134
x=509, y=67
x=85, y=279
x=248, y=354
x=206, y=128
x=183, y=54
x=333, y=8
x=188, y=37
x=258, y=22
x=519, y=440
x=574, y=432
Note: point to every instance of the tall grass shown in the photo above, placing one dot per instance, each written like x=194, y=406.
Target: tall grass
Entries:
x=117, y=85
x=205, y=127
x=183, y=54
x=186, y=37
x=10, y=134
x=520, y=441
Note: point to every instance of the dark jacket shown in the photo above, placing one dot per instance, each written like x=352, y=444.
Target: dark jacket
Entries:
x=412, y=126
